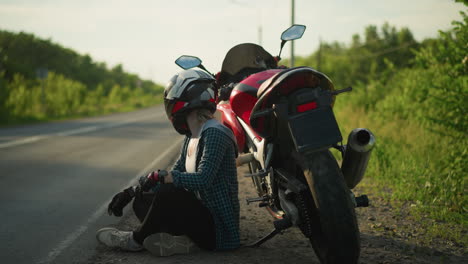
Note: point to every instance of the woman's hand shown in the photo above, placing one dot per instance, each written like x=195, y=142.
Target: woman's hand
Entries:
x=119, y=201
x=152, y=179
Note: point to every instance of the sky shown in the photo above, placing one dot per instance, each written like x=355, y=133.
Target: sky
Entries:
x=146, y=36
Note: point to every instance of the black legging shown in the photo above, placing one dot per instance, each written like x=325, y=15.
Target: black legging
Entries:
x=175, y=211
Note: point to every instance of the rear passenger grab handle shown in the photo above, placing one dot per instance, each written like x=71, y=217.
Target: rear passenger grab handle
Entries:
x=263, y=112
x=348, y=89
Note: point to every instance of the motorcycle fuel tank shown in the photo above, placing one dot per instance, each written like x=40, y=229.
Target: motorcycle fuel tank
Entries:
x=244, y=95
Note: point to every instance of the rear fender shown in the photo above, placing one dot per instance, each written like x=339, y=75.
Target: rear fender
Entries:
x=281, y=85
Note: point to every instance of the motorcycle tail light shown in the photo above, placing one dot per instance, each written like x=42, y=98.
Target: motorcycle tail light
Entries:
x=306, y=107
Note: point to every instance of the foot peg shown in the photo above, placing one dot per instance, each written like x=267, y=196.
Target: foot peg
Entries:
x=260, y=173
x=257, y=199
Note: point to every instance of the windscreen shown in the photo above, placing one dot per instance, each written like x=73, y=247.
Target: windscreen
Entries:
x=246, y=55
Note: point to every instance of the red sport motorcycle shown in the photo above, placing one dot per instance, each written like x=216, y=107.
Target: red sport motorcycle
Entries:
x=285, y=127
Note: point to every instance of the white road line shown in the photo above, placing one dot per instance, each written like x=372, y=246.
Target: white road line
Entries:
x=70, y=132
x=22, y=141
x=70, y=239
x=77, y=131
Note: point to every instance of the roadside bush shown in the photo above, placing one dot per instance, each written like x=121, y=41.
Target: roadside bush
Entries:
x=420, y=118
x=64, y=98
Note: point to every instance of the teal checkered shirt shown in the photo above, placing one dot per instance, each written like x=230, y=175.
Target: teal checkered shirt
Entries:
x=215, y=181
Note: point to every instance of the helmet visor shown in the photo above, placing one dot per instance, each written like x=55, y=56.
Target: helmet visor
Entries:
x=174, y=91
x=182, y=81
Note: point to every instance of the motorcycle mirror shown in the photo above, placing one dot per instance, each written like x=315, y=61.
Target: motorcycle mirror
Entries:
x=293, y=32
x=187, y=62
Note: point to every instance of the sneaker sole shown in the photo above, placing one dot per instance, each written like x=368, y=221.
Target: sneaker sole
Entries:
x=101, y=240
x=164, y=244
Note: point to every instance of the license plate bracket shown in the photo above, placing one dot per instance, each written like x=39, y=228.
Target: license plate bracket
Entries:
x=314, y=130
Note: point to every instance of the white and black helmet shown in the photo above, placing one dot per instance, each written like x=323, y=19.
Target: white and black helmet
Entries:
x=188, y=90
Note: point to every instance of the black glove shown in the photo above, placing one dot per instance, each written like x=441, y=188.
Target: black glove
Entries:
x=155, y=177
x=119, y=201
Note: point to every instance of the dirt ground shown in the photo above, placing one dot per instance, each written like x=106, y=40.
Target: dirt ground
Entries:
x=382, y=240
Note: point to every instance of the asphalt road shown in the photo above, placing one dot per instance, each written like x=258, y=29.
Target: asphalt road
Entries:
x=57, y=178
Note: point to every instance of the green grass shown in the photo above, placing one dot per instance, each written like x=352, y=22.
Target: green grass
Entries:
x=418, y=166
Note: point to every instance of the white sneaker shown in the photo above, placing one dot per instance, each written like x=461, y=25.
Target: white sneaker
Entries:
x=164, y=244
x=115, y=238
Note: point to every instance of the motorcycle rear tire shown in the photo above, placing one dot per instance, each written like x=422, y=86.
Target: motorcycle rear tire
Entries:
x=335, y=232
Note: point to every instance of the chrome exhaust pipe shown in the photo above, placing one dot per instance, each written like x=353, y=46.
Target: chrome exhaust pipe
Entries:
x=361, y=141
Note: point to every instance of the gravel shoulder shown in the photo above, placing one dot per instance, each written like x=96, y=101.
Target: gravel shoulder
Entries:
x=387, y=236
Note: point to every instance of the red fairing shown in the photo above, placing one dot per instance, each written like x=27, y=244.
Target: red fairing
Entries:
x=242, y=103
x=255, y=80
x=244, y=95
x=230, y=121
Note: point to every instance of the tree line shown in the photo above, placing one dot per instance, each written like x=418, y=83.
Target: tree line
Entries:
x=41, y=80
